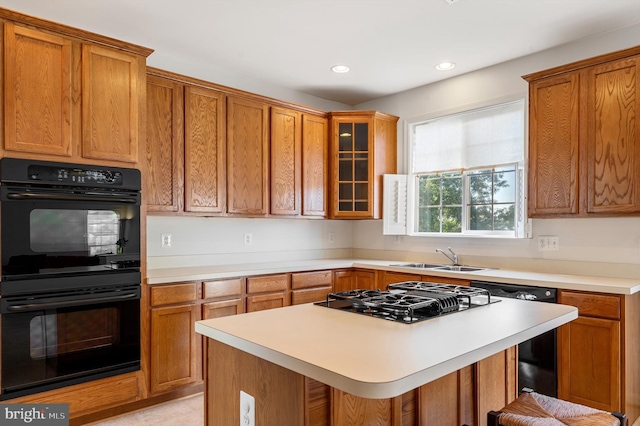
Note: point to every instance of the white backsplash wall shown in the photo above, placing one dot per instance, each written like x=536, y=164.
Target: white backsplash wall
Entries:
x=201, y=241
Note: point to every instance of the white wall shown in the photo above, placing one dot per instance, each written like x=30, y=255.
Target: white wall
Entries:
x=198, y=241
x=585, y=244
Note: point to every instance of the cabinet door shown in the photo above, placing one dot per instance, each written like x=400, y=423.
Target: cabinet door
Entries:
x=387, y=278
x=315, y=171
x=589, y=363
x=222, y=308
x=554, y=146
x=449, y=399
x=175, y=348
x=248, y=156
x=365, y=280
x=343, y=281
x=205, y=151
x=613, y=129
x=164, y=151
x=110, y=103
x=38, y=100
x=286, y=176
x=266, y=301
x=352, y=141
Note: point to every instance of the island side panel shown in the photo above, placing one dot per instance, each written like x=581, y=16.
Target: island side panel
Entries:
x=278, y=392
x=496, y=383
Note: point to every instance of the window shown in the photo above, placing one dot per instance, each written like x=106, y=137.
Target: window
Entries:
x=466, y=173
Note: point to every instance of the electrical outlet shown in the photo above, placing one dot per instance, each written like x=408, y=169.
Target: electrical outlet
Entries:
x=248, y=239
x=247, y=409
x=332, y=237
x=548, y=243
x=166, y=240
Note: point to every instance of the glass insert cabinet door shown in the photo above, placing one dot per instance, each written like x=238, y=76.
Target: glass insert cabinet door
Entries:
x=353, y=169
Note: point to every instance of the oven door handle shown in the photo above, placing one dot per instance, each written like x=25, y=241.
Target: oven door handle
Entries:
x=68, y=303
x=68, y=197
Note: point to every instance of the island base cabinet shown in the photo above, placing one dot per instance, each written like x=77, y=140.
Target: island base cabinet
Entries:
x=278, y=392
x=283, y=397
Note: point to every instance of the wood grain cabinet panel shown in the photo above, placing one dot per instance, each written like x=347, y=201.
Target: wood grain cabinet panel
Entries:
x=173, y=293
x=222, y=308
x=584, y=152
x=286, y=157
x=315, y=169
x=111, y=99
x=354, y=279
x=590, y=352
x=38, y=94
x=613, y=105
x=554, y=145
x=205, y=150
x=175, y=347
x=247, y=156
x=164, y=153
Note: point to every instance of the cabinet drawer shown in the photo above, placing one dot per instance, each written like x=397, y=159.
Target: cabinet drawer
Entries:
x=268, y=283
x=309, y=295
x=310, y=279
x=222, y=288
x=222, y=308
x=174, y=293
x=592, y=305
x=266, y=301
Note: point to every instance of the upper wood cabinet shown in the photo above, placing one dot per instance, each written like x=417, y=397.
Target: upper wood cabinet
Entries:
x=247, y=156
x=37, y=95
x=110, y=103
x=185, y=155
x=286, y=157
x=315, y=170
x=584, y=151
x=205, y=150
x=363, y=148
x=70, y=95
x=164, y=147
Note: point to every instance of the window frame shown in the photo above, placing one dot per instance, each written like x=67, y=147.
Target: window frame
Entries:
x=522, y=224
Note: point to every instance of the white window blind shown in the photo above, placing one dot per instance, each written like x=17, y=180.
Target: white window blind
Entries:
x=476, y=138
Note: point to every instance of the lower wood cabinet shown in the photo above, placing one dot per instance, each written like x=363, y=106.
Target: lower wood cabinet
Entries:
x=351, y=279
x=590, y=349
x=309, y=287
x=175, y=347
x=267, y=292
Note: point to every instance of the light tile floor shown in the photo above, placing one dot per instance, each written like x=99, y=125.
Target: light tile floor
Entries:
x=184, y=411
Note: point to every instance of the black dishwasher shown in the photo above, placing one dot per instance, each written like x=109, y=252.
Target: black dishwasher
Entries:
x=537, y=357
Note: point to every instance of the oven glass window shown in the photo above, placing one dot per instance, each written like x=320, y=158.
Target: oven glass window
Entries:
x=93, y=232
x=53, y=334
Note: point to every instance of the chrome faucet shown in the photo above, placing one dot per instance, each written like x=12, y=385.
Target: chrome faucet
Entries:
x=453, y=258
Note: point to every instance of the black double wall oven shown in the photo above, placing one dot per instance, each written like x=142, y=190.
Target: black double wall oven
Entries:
x=70, y=288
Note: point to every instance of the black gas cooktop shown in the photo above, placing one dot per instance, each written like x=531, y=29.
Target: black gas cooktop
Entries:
x=409, y=302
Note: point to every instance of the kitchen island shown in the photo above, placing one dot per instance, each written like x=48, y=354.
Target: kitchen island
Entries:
x=274, y=355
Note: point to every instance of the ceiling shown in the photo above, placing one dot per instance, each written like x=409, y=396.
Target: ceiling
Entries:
x=390, y=45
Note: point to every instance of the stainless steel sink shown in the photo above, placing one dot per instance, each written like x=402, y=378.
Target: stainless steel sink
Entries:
x=420, y=265
x=457, y=268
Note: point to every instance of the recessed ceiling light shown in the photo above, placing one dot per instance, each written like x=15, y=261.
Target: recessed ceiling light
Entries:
x=340, y=69
x=445, y=66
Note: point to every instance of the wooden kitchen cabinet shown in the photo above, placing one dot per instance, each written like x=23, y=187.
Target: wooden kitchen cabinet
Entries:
x=70, y=98
x=309, y=287
x=353, y=279
x=591, y=370
x=164, y=147
x=222, y=298
x=286, y=162
x=185, y=147
x=111, y=98
x=362, y=149
x=387, y=278
x=267, y=292
x=175, y=347
x=247, y=156
x=315, y=168
x=584, y=153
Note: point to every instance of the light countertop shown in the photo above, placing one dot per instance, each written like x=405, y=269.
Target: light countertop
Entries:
x=561, y=281
x=374, y=358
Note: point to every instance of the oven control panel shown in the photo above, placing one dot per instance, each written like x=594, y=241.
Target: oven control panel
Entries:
x=74, y=175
